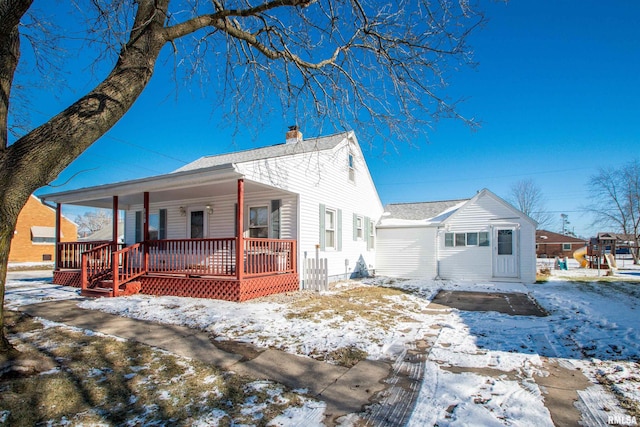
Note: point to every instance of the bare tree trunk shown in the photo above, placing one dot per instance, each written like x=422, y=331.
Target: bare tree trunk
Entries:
x=11, y=11
x=403, y=47
x=38, y=157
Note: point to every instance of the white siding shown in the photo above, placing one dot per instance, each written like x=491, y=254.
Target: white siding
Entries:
x=412, y=252
x=528, y=252
x=474, y=262
x=406, y=252
x=465, y=263
x=221, y=222
x=323, y=178
x=302, y=182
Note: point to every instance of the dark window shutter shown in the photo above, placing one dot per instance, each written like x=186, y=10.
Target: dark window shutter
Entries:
x=162, y=232
x=138, y=236
x=235, y=220
x=275, y=219
x=322, y=228
x=355, y=227
x=365, y=232
x=339, y=230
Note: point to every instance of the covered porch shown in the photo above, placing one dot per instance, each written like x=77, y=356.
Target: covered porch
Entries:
x=235, y=268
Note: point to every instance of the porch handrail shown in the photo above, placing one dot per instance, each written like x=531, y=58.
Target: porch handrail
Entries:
x=96, y=263
x=213, y=257
x=69, y=254
x=128, y=264
x=268, y=256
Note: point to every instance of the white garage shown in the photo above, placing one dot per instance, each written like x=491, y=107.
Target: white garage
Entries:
x=479, y=239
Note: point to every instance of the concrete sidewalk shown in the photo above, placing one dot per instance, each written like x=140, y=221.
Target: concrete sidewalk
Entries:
x=344, y=390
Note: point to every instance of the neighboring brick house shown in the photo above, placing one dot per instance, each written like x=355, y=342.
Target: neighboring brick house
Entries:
x=550, y=244
x=34, y=236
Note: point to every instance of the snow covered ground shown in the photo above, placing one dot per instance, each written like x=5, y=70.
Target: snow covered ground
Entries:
x=482, y=366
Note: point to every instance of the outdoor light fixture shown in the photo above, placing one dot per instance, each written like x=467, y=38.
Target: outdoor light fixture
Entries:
x=209, y=209
x=183, y=211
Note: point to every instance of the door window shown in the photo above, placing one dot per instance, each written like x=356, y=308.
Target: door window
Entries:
x=505, y=242
x=197, y=224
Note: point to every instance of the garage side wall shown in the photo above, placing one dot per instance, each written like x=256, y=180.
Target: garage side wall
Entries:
x=476, y=262
x=406, y=252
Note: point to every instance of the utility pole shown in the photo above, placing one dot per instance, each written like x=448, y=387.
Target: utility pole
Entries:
x=565, y=222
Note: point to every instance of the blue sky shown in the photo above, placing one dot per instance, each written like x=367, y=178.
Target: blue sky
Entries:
x=556, y=89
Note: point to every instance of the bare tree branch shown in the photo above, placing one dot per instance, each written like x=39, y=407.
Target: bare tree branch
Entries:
x=528, y=198
x=342, y=63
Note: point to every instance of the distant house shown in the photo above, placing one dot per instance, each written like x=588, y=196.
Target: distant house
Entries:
x=480, y=239
x=34, y=239
x=235, y=226
x=105, y=233
x=551, y=245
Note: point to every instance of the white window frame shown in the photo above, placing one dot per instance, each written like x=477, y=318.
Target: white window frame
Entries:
x=156, y=214
x=351, y=164
x=359, y=227
x=330, y=230
x=455, y=242
x=566, y=246
x=267, y=225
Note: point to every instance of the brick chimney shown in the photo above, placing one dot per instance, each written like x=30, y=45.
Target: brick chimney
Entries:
x=293, y=135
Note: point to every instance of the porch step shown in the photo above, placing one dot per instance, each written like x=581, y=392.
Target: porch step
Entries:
x=96, y=292
x=105, y=289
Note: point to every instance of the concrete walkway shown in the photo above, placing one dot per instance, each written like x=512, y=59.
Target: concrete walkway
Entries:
x=344, y=390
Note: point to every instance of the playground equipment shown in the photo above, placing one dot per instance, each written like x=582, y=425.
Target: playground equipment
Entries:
x=611, y=262
x=580, y=255
x=560, y=264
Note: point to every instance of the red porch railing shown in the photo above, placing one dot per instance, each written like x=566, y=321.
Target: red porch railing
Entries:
x=189, y=257
x=96, y=264
x=69, y=254
x=128, y=264
x=269, y=256
x=213, y=257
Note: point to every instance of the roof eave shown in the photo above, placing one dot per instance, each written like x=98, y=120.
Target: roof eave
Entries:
x=169, y=181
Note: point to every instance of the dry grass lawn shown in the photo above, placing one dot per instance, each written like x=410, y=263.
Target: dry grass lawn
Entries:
x=98, y=380
x=372, y=304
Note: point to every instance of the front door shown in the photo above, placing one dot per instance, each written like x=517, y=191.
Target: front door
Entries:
x=505, y=261
x=197, y=224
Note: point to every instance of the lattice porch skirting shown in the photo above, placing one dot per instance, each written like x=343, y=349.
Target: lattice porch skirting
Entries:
x=67, y=278
x=217, y=288
x=202, y=287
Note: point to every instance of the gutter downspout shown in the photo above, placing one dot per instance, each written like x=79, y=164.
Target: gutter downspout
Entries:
x=438, y=252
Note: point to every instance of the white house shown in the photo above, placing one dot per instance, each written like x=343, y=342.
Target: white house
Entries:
x=282, y=203
x=326, y=199
x=479, y=239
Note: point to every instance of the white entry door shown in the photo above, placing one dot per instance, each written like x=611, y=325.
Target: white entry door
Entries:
x=505, y=255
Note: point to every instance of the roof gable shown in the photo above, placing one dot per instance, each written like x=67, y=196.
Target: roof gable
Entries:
x=435, y=213
x=486, y=193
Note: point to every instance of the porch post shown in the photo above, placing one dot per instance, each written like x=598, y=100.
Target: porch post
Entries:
x=114, y=215
x=240, y=234
x=145, y=234
x=56, y=251
x=115, y=266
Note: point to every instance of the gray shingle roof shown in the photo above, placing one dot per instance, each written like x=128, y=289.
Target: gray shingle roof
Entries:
x=304, y=146
x=419, y=211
